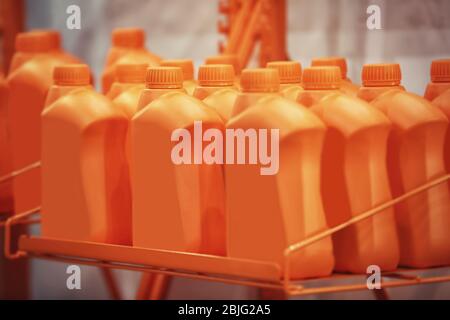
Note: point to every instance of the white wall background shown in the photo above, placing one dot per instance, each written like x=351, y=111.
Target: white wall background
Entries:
x=414, y=32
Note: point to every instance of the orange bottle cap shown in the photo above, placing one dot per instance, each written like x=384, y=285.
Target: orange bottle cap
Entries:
x=332, y=62
x=440, y=70
x=225, y=59
x=327, y=78
x=128, y=37
x=164, y=78
x=131, y=73
x=38, y=41
x=216, y=75
x=288, y=71
x=260, y=80
x=71, y=75
x=186, y=65
x=382, y=74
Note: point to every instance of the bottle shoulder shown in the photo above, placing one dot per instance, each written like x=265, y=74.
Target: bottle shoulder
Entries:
x=407, y=110
x=176, y=109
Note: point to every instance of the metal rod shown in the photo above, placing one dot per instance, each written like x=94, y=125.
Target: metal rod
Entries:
x=8, y=225
x=353, y=220
x=14, y=174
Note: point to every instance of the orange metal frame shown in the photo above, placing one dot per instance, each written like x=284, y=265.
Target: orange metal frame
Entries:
x=245, y=23
x=11, y=22
x=207, y=267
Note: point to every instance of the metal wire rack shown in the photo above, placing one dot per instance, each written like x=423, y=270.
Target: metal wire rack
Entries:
x=212, y=268
x=207, y=267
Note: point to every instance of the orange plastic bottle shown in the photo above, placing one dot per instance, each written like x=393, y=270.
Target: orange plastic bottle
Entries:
x=231, y=59
x=128, y=46
x=27, y=86
x=187, y=66
x=212, y=78
x=268, y=213
x=159, y=81
x=389, y=79
x=318, y=82
x=290, y=73
x=128, y=76
x=442, y=101
x=85, y=188
x=354, y=175
x=346, y=86
x=415, y=156
x=6, y=192
x=216, y=88
x=176, y=206
x=256, y=84
x=30, y=44
x=440, y=79
x=63, y=84
x=125, y=94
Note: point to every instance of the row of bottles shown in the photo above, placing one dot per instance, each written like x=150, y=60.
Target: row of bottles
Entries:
x=108, y=175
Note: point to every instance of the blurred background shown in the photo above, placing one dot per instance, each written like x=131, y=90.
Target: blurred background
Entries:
x=413, y=33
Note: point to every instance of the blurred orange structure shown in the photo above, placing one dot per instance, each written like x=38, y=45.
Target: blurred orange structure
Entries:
x=11, y=23
x=246, y=23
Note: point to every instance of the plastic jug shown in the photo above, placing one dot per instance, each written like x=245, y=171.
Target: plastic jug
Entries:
x=268, y=213
x=23, y=101
x=63, y=85
x=212, y=78
x=355, y=179
x=440, y=79
x=318, y=82
x=290, y=73
x=256, y=84
x=85, y=188
x=159, y=81
x=442, y=101
x=389, y=79
x=187, y=66
x=176, y=205
x=6, y=192
x=354, y=174
x=30, y=44
x=231, y=59
x=415, y=156
x=216, y=88
x=346, y=86
x=128, y=46
x=128, y=76
x=125, y=94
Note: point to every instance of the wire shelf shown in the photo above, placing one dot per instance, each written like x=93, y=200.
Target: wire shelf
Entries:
x=216, y=268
